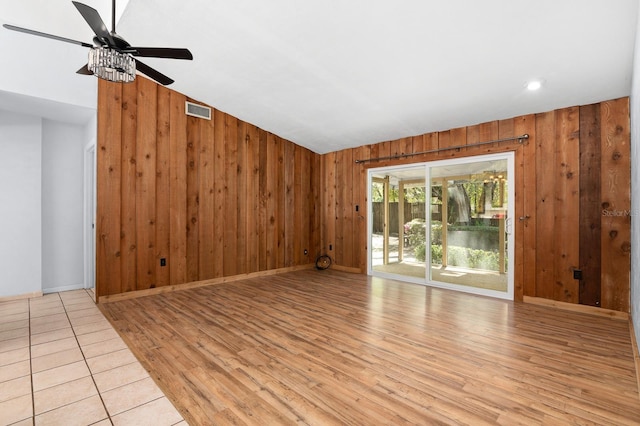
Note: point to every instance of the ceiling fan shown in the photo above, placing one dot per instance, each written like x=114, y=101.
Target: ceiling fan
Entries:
x=111, y=57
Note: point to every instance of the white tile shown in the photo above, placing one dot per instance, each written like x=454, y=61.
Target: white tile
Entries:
x=13, y=356
x=57, y=359
x=15, y=388
x=102, y=348
x=56, y=376
x=120, y=376
x=111, y=360
x=63, y=394
x=16, y=410
x=85, y=412
x=53, y=347
x=130, y=396
x=15, y=370
x=156, y=413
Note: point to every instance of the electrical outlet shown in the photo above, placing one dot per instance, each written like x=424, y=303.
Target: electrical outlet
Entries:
x=163, y=262
x=577, y=274
x=330, y=247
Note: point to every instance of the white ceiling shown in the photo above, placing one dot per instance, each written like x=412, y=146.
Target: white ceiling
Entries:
x=333, y=74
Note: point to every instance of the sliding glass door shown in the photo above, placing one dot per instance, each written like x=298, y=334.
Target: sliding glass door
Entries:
x=445, y=223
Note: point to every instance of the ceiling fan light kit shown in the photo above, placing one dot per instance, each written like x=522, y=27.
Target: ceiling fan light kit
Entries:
x=111, y=65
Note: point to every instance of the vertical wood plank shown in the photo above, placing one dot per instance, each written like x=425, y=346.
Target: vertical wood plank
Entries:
x=444, y=141
x=271, y=202
x=178, y=218
x=299, y=194
x=384, y=149
x=193, y=196
x=108, y=267
x=316, y=181
x=264, y=217
x=280, y=202
x=590, y=209
x=289, y=203
x=408, y=146
x=473, y=134
x=526, y=237
x=253, y=192
x=347, y=210
x=306, y=204
x=329, y=164
x=219, y=183
x=396, y=147
x=567, y=214
x=458, y=137
x=616, y=204
x=162, y=185
x=230, y=194
x=489, y=131
x=431, y=141
x=506, y=128
x=146, y=183
x=374, y=152
x=338, y=248
x=360, y=190
x=417, y=145
x=243, y=195
x=206, y=200
x=128, y=176
x=545, y=205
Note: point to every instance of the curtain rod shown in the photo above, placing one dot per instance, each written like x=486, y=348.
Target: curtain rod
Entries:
x=520, y=140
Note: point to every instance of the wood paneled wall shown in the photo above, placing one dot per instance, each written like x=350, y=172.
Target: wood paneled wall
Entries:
x=572, y=181
x=221, y=198
x=214, y=198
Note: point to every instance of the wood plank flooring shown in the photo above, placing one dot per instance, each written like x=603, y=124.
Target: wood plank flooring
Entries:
x=325, y=347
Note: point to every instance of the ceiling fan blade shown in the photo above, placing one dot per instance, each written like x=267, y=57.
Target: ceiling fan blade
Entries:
x=84, y=70
x=150, y=72
x=160, y=52
x=95, y=22
x=45, y=35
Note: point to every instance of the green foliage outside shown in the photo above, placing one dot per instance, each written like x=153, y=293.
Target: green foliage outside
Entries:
x=461, y=256
x=412, y=195
x=457, y=256
x=415, y=231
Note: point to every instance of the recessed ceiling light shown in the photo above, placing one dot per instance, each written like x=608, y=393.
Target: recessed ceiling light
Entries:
x=534, y=85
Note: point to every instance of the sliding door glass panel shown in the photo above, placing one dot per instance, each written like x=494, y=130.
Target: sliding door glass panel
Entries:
x=398, y=222
x=469, y=224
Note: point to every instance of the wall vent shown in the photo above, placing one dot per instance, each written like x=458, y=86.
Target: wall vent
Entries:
x=199, y=111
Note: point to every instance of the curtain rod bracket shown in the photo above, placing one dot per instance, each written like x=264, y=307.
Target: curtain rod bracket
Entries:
x=524, y=138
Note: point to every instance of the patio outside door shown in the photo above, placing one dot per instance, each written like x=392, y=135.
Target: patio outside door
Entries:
x=446, y=224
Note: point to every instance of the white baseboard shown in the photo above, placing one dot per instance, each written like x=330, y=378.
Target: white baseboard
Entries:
x=63, y=288
x=21, y=296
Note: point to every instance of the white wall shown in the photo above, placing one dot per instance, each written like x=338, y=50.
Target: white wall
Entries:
x=20, y=204
x=41, y=204
x=635, y=189
x=62, y=206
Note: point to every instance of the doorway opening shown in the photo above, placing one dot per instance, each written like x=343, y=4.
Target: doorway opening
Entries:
x=89, y=217
x=445, y=223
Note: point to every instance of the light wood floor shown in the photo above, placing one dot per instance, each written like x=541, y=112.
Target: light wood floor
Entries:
x=324, y=347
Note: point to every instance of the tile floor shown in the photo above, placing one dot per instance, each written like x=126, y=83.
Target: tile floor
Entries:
x=61, y=363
